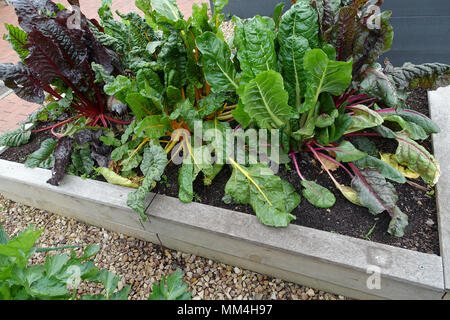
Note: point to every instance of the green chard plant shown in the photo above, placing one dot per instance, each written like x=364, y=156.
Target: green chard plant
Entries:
x=57, y=279
x=60, y=277
x=310, y=75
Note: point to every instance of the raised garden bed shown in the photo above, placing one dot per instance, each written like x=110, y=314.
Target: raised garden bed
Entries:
x=325, y=260
x=301, y=79
x=343, y=218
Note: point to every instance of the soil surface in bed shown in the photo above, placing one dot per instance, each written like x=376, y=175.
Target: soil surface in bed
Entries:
x=344, y=218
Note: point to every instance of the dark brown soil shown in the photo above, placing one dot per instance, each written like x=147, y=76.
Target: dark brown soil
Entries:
x=19, y=154
x=344, y=218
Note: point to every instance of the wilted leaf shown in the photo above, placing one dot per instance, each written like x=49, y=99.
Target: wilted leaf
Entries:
x=116, y=179
x=392, y=162
x=388, y=167
x=61, y=153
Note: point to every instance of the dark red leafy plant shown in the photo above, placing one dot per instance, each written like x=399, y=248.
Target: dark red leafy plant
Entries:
x=61, y=48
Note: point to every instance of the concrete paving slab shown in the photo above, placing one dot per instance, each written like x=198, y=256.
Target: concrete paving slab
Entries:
x=439, y=101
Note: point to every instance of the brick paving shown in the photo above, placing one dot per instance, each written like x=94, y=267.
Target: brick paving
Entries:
x=13, y=110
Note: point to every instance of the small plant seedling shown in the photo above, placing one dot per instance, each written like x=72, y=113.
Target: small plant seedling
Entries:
x=170, y=288
x=368, y=234
x=197, y=198
x=164, y=180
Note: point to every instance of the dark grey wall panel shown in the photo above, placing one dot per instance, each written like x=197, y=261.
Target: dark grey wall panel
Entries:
x=421, y=31
x=410, y=8
x=250, y=8
x=422, y=27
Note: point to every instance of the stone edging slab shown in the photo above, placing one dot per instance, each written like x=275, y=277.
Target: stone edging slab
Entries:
x=440, y=112
x=330, y=262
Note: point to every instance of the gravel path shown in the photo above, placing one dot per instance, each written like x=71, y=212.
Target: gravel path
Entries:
x=141, y=263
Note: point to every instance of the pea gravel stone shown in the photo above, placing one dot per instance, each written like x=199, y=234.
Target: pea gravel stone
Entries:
x=140, y=263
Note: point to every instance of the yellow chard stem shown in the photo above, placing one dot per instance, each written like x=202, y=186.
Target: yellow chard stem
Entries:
x=245, y=173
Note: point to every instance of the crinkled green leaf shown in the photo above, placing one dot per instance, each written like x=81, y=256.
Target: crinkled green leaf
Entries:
x=43, y=156
x=15, y=138
x=153, y=165
x=418, y=159
x=254, y=40
x=101, y=75
x=150, y=86
x=300, y=20
x=266, y=101
x=187, y=112
x=323, y=75
x=152, y=127
x=119, y=87
x=140, y=105
x=292, y=53
x=220, y=72
x=210, y=104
